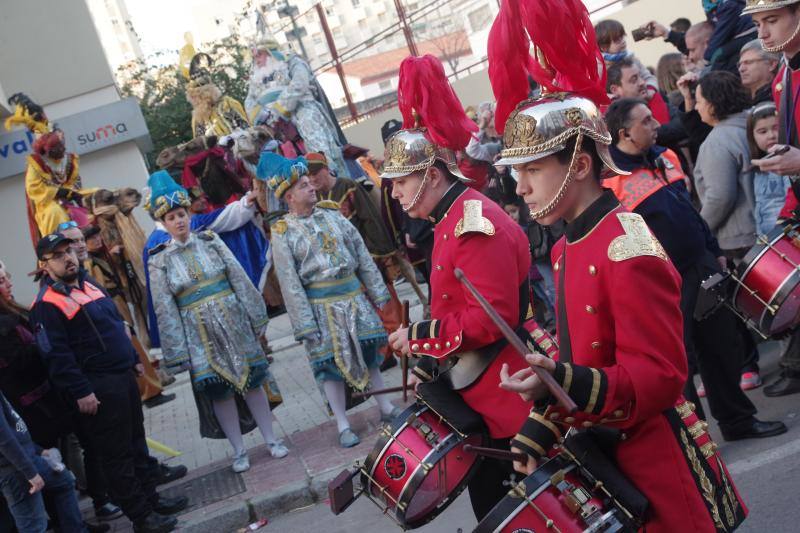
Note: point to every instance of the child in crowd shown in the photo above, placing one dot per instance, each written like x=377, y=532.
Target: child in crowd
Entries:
x=770, y=188
x=611, y=38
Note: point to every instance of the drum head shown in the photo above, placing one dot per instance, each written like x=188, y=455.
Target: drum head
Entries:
x=442, y=484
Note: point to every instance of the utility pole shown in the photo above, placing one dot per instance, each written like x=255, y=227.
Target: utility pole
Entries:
x=401, y=13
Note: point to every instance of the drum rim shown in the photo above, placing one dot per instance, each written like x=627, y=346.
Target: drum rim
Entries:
x=764, y=322
x=781, y=294
x=501, y=513
x=416, y=479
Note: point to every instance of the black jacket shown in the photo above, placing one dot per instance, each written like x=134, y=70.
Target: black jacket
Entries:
x=93, y=342
x=670, y=214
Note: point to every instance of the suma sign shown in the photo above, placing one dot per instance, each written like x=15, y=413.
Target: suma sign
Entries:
x=86, y=132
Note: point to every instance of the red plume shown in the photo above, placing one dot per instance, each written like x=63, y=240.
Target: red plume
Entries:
x=425, y=98
x=562, y=31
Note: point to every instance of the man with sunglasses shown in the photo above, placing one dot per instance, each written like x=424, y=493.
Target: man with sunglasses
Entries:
x=85, y=345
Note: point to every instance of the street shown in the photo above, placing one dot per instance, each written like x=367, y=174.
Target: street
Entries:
x=766, y=472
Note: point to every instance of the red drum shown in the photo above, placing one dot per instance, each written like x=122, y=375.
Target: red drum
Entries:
x=418, y=466
x=768, y=288
x=559, y=497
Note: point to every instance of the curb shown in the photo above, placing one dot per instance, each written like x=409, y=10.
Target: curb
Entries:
x=281, y=501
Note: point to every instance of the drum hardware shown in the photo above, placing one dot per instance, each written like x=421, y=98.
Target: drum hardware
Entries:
x=555, y=389
x=387, y=390
x=497, y=454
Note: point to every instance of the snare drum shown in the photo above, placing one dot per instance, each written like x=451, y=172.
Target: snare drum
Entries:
x=767, y=291
x=556, y=497
x=418, y=466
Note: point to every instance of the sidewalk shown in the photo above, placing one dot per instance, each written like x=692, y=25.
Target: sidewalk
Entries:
x=222, y=501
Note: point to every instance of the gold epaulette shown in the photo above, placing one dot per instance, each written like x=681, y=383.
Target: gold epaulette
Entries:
x=473, y=220
x=637, y=240
x=279, y=227
x=328, y=204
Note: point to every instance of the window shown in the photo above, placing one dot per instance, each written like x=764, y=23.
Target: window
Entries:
x=385, y=86
x=480, y=18
x=356, y=3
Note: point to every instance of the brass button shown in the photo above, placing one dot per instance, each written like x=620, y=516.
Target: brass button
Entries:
x=444, y=236
x=595, y=345
x=457, y=338
x=590, y=310
x=556, y=266
x=592, y=270
x=426, y=346
x=438, y=346
x=447, y=344
x=439, y=267
x=569, y=419
x=445, y=297
x=618, y=413
x=779, y=87
x=554, y=416
x=414, y=347
x=587, y=424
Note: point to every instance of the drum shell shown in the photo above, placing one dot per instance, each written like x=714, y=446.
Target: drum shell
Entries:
x=395, y=466
x=546, y=507
x=770, y=271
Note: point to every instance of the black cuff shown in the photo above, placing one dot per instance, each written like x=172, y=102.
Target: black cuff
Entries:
x=587, y=386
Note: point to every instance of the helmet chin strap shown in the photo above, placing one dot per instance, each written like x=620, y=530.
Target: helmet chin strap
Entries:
x=785, y=43
x=419, y=192
x=551, y=206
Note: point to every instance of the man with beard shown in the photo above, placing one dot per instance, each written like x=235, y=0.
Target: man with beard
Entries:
x=85, y=345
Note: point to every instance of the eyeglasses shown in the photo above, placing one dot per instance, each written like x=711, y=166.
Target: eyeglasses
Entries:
x=66, y=225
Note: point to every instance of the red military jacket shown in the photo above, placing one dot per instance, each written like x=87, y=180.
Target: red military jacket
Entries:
x=781, y=99
x=474, y=234
x=622, y=304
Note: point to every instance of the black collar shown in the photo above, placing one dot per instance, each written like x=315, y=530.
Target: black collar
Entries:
x=63, y=288
x=446, y=202
x=586, y=221
x=794, y=62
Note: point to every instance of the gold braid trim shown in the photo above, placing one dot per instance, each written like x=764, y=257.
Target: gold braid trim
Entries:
x=705, y=483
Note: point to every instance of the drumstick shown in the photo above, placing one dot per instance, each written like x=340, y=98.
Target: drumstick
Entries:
x=497, y=454
x=547, y=378
x=379, y=391
x=404, y=356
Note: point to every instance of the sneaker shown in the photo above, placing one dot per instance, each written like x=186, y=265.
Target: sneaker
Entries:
x=348, y=439
x=278, y=450
x=241, y=463
x=701, y=390
x=750, y=381
x=386, y=418
x=108, y=511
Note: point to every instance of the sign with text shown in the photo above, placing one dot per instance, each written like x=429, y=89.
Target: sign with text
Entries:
x=86, y=132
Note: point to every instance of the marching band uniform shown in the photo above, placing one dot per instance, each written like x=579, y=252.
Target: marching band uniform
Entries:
x=621, y=352
x=474, y=234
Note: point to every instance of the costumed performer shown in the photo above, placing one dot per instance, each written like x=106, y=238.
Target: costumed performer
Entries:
x=619, y=323
x=210, y=317
x=471, y=233
x=331, y=288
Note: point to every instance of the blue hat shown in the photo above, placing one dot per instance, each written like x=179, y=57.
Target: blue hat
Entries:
x=165, y=194
x=280, y=173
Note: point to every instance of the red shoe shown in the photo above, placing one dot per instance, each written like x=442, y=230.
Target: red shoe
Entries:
x=750, y=381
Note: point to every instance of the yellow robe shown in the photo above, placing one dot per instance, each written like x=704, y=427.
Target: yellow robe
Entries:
x=42, y=189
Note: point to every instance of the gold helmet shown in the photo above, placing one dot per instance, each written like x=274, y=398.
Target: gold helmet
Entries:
x=756, y=6
x=409, y=151
x=541, y=127
x=435, y=125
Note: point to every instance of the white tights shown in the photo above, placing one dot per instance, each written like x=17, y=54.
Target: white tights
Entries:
x=228, y=417
x=335, y=393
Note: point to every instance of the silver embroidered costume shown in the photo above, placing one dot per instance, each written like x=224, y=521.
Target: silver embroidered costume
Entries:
x=209, y=313
x=329, y=284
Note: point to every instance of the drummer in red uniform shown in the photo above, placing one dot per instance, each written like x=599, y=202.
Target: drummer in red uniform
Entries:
x=622, y=355
x=778, y=23
x=471, y=233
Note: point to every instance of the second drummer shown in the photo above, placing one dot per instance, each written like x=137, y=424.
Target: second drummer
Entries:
x=621, y=352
